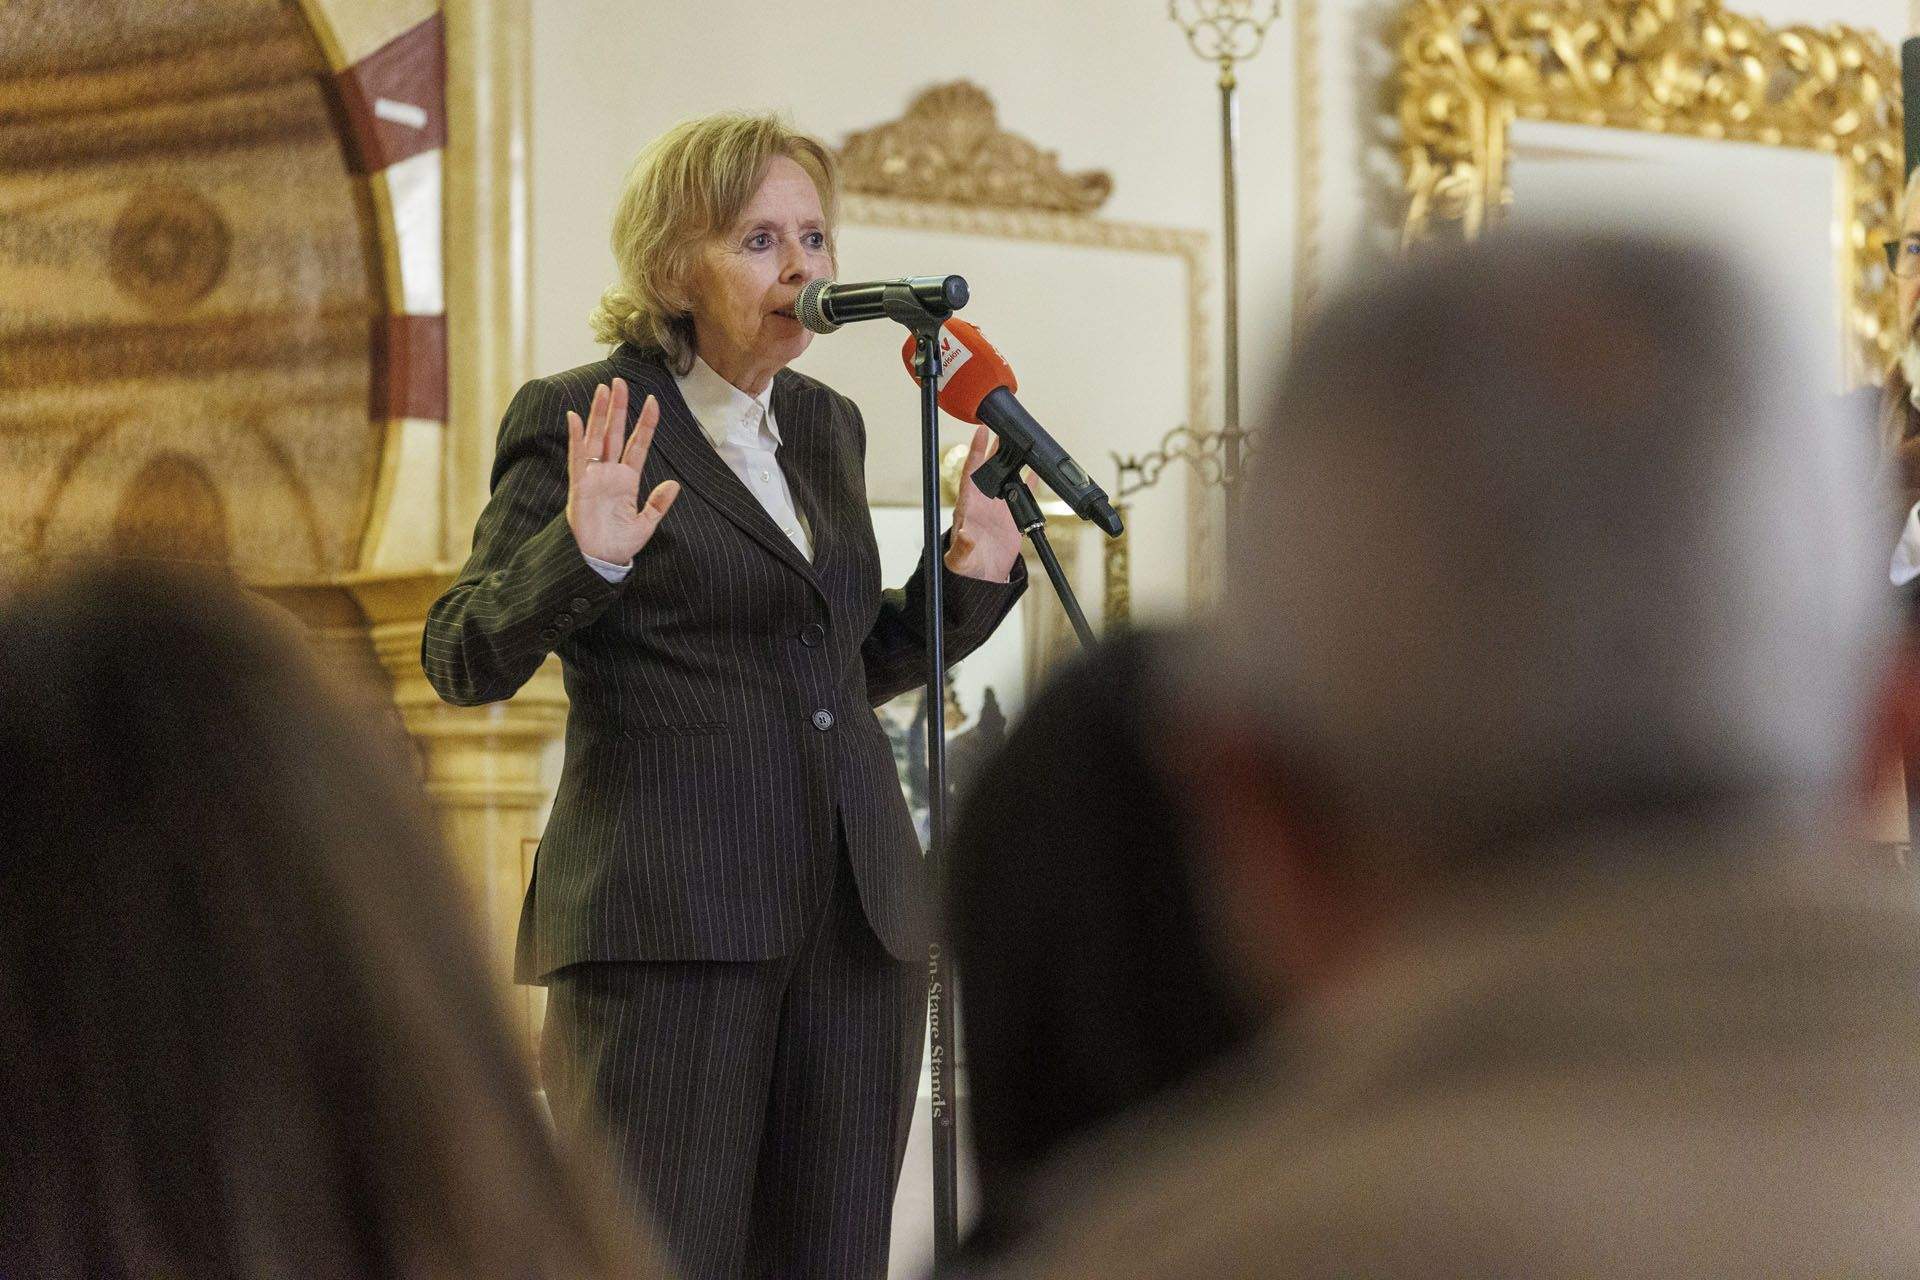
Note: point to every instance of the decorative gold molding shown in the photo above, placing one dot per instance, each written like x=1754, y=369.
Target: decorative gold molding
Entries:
x=1224, y=31
x=1469, y=68
x=1201, y=450
x=949, y=147
x=489, y=235
x=1306, y=104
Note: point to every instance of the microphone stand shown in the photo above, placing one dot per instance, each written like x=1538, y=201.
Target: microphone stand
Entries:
x=940, y=1053
x=998, y=475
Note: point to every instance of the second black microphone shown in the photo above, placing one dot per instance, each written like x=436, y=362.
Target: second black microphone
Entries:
x=823, y=305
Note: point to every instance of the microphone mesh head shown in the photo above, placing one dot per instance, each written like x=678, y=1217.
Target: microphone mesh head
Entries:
x=807, y=308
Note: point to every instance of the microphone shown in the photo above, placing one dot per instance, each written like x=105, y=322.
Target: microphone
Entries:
x=977, y=385
x=824, y=306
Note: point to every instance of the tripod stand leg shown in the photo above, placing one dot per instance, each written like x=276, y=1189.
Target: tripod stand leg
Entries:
x=1061, y=588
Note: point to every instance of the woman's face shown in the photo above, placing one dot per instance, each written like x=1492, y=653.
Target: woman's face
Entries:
x=746, y=279
x=1909, y=281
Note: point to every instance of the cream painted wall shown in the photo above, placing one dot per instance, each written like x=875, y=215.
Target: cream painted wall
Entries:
x=1889, y=17
x=1111, y=86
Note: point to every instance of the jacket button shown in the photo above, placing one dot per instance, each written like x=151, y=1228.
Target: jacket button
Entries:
x=812, y=634
x=549, y=635
x=564, y=620
x=579, y=604
x=823, y=720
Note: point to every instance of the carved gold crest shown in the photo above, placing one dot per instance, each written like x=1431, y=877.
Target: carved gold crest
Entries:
x=949, y=148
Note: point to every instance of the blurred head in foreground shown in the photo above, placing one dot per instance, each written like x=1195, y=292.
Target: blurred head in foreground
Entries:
x=1092, y=982
x=1552, y=530
x=248, y=1027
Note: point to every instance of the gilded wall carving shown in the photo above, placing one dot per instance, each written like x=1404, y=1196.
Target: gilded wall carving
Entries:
x=1306, y=101
x=949, y=147
x=186, y=290
x=1469, y=68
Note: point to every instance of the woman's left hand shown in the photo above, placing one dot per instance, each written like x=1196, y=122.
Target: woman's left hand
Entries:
x=985, y=541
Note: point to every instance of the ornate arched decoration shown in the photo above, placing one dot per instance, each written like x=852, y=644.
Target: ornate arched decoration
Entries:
x=219, y=232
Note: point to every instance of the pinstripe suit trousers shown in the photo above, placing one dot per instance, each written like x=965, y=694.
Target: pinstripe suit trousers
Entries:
x=757, y=1111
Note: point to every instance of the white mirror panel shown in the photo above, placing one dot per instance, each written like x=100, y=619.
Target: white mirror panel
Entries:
x=1775, y=209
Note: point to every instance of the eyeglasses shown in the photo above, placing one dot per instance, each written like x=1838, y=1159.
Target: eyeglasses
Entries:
x=1903, y=256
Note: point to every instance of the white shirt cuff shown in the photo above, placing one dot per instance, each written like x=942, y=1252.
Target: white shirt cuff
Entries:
x=1906, y=552
x=611, y=572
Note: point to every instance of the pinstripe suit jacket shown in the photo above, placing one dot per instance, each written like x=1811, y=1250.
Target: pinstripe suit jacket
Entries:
x=721, y=695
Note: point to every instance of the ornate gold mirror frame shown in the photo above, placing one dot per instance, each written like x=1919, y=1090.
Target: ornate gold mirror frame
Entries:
x=1470, y=68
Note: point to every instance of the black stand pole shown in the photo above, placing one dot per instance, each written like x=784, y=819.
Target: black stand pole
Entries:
x=946, y=1144
x=998, y=476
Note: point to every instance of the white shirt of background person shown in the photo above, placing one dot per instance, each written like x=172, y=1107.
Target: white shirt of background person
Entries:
x=1906, y=552
x=747, y=438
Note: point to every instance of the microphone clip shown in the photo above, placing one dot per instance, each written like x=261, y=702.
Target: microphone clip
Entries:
x=919, y=303
x=999, y=477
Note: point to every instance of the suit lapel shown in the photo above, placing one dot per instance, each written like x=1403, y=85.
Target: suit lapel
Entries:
x=806, y=446
x=681, y=441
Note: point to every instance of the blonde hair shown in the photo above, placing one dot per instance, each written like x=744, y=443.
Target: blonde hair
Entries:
x=689, y=184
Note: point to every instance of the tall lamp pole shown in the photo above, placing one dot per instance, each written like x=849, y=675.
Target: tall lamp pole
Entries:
x=1226, y=32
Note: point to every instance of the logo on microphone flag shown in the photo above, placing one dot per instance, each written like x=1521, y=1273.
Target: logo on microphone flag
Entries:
x=954, y=355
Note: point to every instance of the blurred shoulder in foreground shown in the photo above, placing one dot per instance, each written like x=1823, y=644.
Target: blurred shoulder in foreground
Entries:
x=1091, y=986
x=248, y=1025
x=1546, y=668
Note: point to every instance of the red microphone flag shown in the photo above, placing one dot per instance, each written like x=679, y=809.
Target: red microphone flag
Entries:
x=970, y=369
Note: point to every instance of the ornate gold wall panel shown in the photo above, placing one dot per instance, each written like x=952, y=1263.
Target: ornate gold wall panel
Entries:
x=220, y=257
x=1306, y=103
x=1469, y=68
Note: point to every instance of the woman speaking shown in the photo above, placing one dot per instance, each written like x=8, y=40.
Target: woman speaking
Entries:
x=729, y=906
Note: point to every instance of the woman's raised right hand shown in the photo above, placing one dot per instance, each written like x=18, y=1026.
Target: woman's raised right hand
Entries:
x=603, y=477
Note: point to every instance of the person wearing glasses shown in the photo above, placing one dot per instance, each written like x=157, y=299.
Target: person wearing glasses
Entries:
x=1899, y=419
